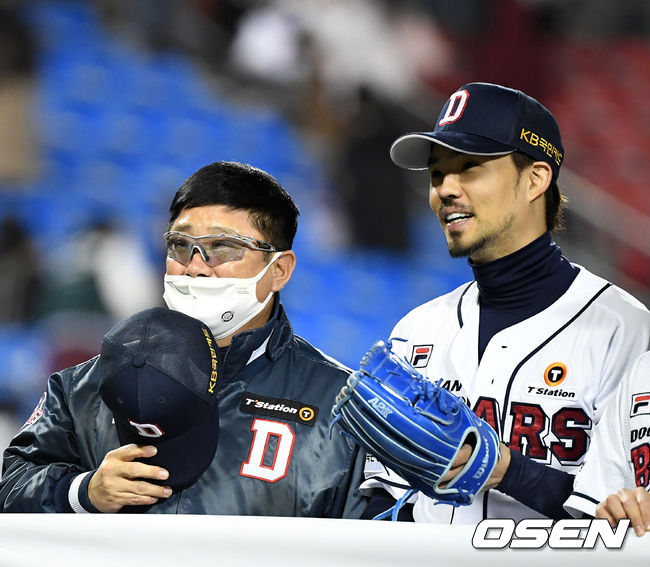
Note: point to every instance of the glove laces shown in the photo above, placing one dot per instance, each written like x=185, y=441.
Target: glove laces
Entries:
x=393, y=511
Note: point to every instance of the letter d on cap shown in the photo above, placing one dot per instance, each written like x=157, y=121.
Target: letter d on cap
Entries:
x=456, y=107
x=147, y=429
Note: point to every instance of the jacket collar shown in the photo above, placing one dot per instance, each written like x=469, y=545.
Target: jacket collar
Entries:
x=276, y=334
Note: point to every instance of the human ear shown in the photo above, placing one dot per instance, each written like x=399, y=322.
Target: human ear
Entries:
x=539, y=179
x=282, y=269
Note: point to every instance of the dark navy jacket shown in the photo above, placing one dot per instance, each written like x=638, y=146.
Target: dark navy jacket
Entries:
x=269, y=461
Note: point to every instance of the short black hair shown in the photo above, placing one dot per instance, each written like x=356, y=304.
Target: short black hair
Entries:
x=242, y=187
x=554, y=200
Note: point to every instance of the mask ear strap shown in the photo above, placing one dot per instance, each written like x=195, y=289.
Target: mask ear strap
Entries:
x=276, y=255
x=265, y=269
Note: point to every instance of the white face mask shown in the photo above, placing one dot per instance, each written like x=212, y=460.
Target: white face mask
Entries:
x=223, y=304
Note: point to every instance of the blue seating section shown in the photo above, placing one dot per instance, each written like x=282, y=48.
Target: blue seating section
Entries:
x=120, y=130
x=24, y=355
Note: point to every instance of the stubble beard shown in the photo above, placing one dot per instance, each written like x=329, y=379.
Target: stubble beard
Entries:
x=473, y=249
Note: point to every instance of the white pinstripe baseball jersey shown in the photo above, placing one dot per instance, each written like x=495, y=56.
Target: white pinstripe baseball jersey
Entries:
x=541, y=383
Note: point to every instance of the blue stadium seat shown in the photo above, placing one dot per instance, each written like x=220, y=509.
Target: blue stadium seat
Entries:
x=122, y=129
x=24, y=365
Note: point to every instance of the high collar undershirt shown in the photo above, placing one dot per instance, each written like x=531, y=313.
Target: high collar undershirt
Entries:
x=520, y=285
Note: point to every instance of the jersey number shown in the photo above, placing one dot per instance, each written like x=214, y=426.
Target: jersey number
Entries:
x=270, y=452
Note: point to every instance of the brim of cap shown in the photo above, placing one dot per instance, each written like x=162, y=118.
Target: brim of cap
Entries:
x=185, y=456
x=412, y=151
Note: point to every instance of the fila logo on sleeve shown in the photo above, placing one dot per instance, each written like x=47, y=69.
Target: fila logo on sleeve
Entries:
x=421, y=355
x=640, y=404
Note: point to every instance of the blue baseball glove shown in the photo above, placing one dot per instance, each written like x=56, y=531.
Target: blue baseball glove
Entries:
x=415, y=427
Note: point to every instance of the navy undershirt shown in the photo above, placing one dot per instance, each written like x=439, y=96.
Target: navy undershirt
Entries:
x=511, y=289
x=520, y=285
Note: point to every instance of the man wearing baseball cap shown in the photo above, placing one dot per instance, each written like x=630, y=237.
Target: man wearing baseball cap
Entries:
x=212, y=406
x=535, y=344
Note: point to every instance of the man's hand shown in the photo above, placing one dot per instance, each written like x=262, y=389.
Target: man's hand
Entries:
x=497, y=473
x=627, y=503
x=118, y=480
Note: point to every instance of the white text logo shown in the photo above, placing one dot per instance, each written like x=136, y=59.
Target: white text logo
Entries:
x=380, y=407
x=498, y=533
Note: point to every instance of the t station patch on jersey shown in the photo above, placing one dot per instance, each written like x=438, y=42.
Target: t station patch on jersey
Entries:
x=554, y=375
x=421, y=355
x=279, y=407
x=640, y=404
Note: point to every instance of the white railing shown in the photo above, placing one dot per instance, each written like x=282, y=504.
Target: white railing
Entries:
x=221, y=541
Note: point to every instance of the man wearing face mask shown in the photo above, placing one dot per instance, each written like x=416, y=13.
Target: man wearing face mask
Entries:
x=228, y=255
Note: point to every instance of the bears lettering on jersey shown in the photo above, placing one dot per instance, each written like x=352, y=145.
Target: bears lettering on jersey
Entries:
x=531, y=427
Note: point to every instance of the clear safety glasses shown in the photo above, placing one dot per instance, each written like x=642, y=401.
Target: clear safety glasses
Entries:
x=215, y=249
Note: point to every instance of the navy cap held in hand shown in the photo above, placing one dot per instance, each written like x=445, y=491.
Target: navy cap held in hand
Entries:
x=158, y=374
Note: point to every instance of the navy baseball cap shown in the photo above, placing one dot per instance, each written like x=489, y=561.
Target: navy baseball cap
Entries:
x=158, y=375
x=486, y=119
